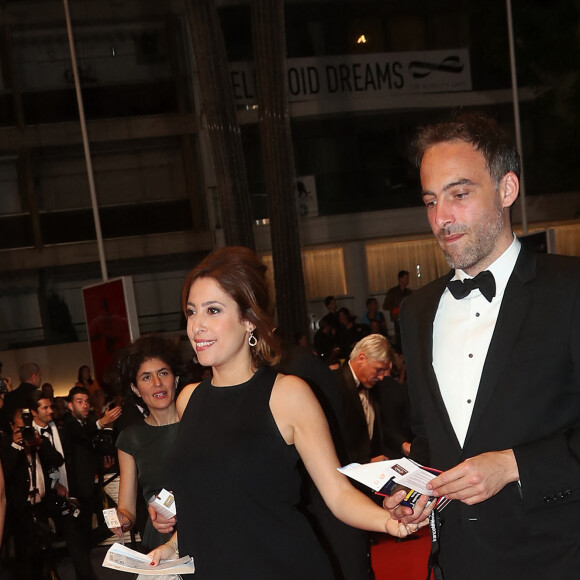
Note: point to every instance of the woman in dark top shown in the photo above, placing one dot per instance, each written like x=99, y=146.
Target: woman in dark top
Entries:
x=233, y=468
x=149, y=371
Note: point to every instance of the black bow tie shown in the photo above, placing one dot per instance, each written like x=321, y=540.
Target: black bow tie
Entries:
x=484, y=281
x=46, y=431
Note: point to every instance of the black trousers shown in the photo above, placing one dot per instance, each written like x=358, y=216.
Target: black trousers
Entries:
x=32, y=537
x=76, y=540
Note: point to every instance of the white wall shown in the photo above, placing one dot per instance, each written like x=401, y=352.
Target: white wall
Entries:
x=59, y=364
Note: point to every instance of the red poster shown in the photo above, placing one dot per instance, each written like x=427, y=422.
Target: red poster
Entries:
x=111, y=321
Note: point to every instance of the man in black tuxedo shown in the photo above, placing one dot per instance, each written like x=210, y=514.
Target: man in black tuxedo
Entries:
x=63, y=511
x=27, y=460
x=494, y=368
x=368, y=364
x=83, y=461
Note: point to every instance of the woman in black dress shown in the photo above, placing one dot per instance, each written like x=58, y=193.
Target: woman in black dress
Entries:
x=149, y=372
x=233, y=468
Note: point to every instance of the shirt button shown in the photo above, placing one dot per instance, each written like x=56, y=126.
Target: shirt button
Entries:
x=477, y=314
x=469, y=401
x=470, y=355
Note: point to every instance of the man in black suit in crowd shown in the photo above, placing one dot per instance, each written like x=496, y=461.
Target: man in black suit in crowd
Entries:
x=27, y=460
x=368, y=364
x=362, y=435
x=84, y=463
x=63, y=511
x=19, y=398
x=494, y=368
x=392, y=397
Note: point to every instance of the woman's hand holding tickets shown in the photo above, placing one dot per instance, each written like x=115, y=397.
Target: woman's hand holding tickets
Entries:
x=166, y=551
x=406, y=520
x=161, y=524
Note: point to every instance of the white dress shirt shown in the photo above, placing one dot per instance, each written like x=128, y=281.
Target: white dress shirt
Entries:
x=462, y=332
x=35, y=474
x=364, y=397
x=57, y=444
x=40, y=484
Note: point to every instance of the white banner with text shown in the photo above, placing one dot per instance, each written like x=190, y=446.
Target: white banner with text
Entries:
x=369, y=74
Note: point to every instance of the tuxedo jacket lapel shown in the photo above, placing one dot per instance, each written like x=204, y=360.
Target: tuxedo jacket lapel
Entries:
x=512, y=314
x=353, y=400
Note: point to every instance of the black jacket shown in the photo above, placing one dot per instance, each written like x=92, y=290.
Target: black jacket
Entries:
x=82, y=461
x=529, y=401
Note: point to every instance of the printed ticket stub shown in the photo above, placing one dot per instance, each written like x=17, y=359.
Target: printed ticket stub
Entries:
x=164, y=504
x=111, y=518
x=388, y=477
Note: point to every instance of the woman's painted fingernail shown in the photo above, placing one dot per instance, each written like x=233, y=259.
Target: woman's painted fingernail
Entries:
x=152, y=564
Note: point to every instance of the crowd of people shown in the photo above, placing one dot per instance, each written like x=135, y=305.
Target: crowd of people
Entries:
x=339, y=330
x=54, y=465
x=250, y=446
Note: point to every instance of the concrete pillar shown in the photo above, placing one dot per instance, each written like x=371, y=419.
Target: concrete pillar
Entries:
x=355, y=265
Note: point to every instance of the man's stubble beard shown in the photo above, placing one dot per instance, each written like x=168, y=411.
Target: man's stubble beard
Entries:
x=481, y=244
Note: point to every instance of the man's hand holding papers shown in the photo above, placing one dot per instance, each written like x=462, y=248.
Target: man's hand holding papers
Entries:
x=389, y=478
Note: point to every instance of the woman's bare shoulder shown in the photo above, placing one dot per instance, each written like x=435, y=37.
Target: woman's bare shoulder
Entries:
x=184, y=396
x=289, y=387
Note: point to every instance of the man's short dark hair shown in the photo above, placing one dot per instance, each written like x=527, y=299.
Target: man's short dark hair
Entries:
x=481, y=131
x=328, y=300
x=371, y=299
x=35, y=399
x=27, y=370
x=402, y=274
x=77, y=391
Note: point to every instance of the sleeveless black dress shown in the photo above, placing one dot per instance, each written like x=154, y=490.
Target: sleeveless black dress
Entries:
x=236, y=488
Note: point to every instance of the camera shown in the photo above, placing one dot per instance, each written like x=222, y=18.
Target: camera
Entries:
x=3, y=386
x=58, y=505
x=28, y=431
x=104, y=442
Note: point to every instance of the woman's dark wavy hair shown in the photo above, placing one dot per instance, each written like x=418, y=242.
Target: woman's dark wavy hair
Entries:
x=241, y=274
x=145, y=348
x=481, y=131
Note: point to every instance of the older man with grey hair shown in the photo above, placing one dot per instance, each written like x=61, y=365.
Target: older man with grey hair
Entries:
x=368, y=363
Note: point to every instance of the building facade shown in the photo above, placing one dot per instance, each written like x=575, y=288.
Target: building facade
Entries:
x=361, y=77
